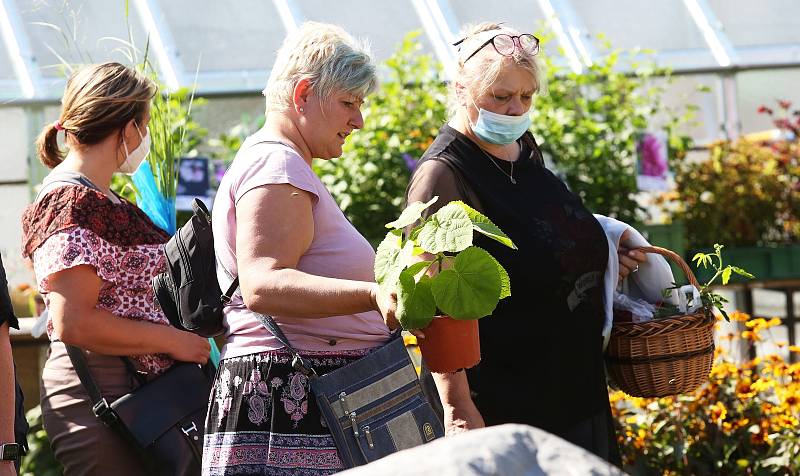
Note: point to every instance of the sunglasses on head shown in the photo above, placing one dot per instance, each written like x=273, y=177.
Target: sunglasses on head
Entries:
x=505, y=44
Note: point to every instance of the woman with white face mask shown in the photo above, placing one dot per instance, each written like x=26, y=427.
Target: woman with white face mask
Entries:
x=541, y=349
x=94, y=254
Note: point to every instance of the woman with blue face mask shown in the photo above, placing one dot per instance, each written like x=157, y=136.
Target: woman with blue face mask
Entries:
x=541, y=349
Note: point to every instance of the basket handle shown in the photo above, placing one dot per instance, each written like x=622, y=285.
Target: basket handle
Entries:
x=675, y=257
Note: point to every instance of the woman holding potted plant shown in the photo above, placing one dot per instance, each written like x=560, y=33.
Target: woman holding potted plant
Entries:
x=542, y=361
x=298, y=259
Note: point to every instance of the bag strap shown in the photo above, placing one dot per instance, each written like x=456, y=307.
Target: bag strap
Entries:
x=100, y=406
x=297, y=361
x=73, y=178
x=228, y=294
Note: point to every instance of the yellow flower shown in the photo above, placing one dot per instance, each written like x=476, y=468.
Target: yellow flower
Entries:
x=756, y=324
x=409, y=339
x=718, y=412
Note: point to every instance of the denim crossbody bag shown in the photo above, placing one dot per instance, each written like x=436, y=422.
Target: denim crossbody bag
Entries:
x=373, y=406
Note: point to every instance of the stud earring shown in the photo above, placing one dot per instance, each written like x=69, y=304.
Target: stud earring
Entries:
x=301, y=109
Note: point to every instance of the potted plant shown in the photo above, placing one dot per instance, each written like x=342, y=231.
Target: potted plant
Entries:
x=435, y=267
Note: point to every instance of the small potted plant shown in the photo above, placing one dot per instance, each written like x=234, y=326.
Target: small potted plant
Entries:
x=444, y=283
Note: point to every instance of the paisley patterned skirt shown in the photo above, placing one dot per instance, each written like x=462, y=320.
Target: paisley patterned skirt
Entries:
x=263, y=418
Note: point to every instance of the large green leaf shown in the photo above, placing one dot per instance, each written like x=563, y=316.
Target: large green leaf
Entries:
x=482, y=224
x=387, y=255
x=415, y=304
x=471, y=288
x=505, y=281
x=447, y=230
x=411, y=214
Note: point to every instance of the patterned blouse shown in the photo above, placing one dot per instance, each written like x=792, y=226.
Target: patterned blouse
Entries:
x=74, y=225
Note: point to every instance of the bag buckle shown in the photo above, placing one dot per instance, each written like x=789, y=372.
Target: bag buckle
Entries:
x=105, y=413
x=187, y=429
x=299, y=364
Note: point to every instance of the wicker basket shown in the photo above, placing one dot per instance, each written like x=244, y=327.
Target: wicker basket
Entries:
x=662, y=357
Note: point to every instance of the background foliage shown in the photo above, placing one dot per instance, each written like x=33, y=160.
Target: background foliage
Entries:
x=745, y=193
x=588, y=124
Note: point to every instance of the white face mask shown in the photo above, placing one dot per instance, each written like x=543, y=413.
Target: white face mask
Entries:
x=134, y=158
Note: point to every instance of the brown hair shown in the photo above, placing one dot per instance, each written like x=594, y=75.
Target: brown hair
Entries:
x=98, y=100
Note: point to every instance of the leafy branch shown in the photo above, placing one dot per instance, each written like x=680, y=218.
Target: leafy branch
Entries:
x=714, y=260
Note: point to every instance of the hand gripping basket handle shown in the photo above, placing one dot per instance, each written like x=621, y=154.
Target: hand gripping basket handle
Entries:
x=675, y=257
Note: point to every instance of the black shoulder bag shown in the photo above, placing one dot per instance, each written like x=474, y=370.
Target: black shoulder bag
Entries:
x=163, y=419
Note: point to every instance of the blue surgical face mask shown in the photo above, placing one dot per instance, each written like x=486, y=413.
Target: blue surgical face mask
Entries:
x=499, y=128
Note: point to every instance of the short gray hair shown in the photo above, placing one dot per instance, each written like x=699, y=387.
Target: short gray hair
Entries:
x=328, y=57
x=482, y=70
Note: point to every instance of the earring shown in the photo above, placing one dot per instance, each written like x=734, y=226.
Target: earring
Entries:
x=301, y=109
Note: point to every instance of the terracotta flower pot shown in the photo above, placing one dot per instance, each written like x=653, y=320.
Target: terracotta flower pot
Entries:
x=450, y=344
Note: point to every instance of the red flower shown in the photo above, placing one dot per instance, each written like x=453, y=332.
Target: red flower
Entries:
x=785, y=104
x=764, y=110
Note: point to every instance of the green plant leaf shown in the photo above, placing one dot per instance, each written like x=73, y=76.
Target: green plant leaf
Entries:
x=471, y=288
x=411, y=214
x=387, y=255
x=415, y=268
x=742, y=272
x=482, y=224
x=726, y=275
x=447, y=230
x=415, y=304
x=505, y=281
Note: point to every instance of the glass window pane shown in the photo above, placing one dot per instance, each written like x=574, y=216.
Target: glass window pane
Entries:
x=756, y=88
x=384, y=24
x=525, y=15
x=224, y=35
x=6, y=68
x=768, y=22
x=664, y=25
x=78, y=31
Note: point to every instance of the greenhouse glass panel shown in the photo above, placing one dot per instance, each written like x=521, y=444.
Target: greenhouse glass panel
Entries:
x=757, y=88
x=663, y=26
x=79, y=31
x=6, y=68
x=224, y=35
x=767, y=22
x=384, y=24
x=525, y=15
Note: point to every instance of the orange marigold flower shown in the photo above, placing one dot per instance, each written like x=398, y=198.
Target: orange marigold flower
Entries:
x=757, y=323
x=773, y=322
x=739, y=316
x=718, y=412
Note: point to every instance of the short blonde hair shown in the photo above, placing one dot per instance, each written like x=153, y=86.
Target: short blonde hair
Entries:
x=328, y=57
x=482, y=70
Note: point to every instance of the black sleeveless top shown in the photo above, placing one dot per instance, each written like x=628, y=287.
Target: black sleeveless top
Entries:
x=542, y=347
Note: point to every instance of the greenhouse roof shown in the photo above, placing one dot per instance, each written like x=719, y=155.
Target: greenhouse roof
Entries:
x=228, y=45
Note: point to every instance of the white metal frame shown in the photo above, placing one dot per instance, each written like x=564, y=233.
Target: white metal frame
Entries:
x=161, y=42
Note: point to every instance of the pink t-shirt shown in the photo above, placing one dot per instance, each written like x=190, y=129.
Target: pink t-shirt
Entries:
x=337, y=250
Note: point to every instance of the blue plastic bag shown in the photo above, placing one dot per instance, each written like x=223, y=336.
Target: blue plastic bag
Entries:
x=159, y=208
